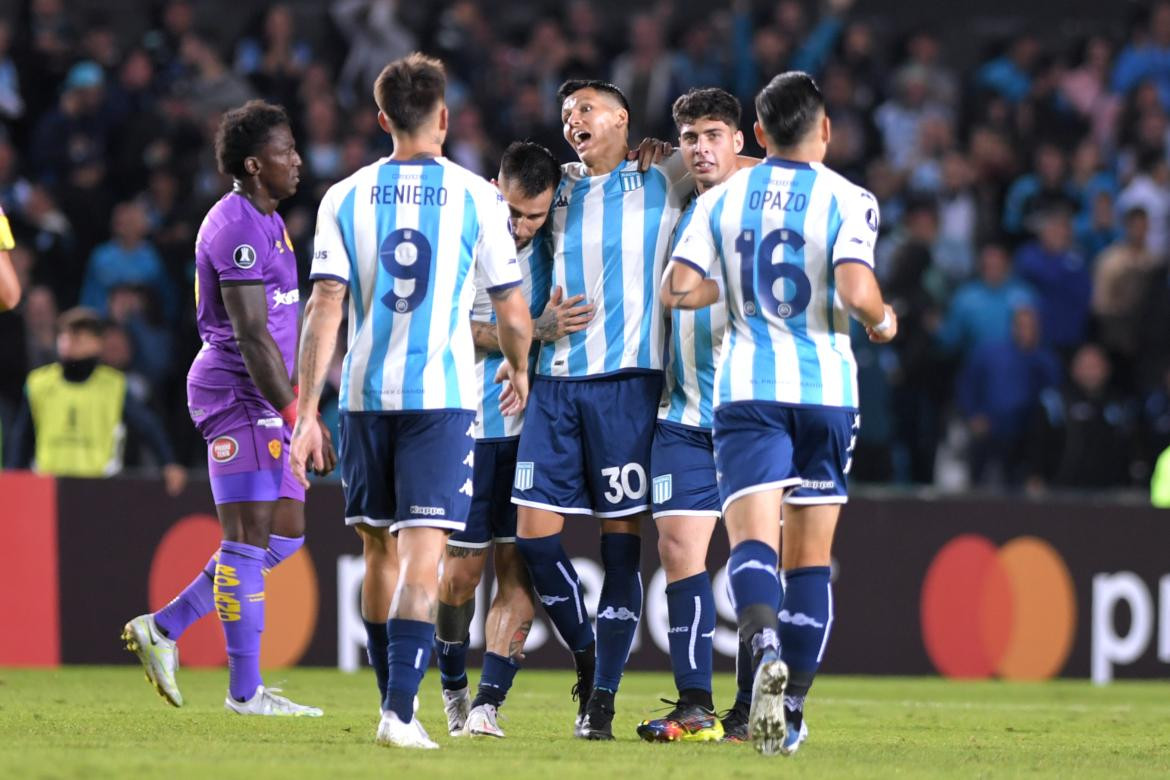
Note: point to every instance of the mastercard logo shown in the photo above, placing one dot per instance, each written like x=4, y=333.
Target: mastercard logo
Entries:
x=1008, y=611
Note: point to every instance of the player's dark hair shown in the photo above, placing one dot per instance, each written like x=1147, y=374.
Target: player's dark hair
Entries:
x=788, y=106
x=706, y=103
x=80, y=319
x=531, y=167
x=408, y=90
x=243, y=132
x=576, y=85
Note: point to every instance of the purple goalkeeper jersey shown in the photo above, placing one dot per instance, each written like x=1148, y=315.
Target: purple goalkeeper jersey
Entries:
x=237, y=244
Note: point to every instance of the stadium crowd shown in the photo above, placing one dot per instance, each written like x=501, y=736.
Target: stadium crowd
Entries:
x=1025, y=197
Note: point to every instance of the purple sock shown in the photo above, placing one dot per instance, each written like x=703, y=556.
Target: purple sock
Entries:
x=193, y=603
x=196, y=599
x=239, y=601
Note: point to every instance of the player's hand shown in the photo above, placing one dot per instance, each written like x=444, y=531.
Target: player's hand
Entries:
x=561, y=316
x=174, y=478
x=329, y=453
x=649, y=152
x=306, y=449
x=888, y=334
x=514, y=396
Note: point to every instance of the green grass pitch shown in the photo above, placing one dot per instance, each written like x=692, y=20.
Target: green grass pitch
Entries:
x=106, y=722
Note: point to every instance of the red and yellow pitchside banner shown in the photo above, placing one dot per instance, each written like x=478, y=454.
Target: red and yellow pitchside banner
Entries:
x=969, y=588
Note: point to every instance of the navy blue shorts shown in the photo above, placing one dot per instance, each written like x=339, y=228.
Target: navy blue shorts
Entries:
x=493, y=515
x=806, y=450
x=682, y=471
x=585, y=449
x=407, y=469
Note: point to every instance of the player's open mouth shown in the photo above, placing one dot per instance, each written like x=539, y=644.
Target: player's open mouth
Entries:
x=581, y=137
x=704, y=167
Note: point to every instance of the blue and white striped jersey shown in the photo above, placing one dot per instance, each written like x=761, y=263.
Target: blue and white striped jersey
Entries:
x=407, y=237
x=608, y=240
x=489, y=423
x=693, y=346
x=778, y=230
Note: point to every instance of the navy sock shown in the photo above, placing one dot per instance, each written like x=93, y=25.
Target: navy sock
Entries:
x=410, y=652
x=755, y=584
x=378, y=651
x=496, y=680
x=805, y=622
x=619, y=608
x=743, y=673
x=452, y=661
x=690, y=605
x=558, y=587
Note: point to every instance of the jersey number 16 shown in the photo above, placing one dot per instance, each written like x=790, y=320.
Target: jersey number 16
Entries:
x=772, y=274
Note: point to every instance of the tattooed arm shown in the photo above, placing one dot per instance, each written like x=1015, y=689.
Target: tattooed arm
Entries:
x=683, y=287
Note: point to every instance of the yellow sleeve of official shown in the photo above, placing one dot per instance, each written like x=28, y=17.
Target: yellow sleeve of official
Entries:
x=6, y=240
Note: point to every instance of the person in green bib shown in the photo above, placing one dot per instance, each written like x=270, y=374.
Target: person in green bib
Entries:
x=75, y=412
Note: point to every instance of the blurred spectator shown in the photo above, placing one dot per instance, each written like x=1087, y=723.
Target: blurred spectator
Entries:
x=273, y=58
x=924, y=54
x=48, y=42
x=11, y=102
x=644, y=74
x=150, y=356
x=375, y=38
x=982, y=310
x=40, y=326
x=71, y=139
x=1044, y=187
x=958, y=214
x=698, y=62
x=322, y=152
x=1147, y=57
x=74, y=410
x=1082, y=435
x=1059, y=274
x=900, y=119
x=1149, y=190
x=1122, y=274
x=997, y=390
x=1010, y=74
x=469, y=145
x=920, y=384
x=128, y=259
x=209, y=85
x=1086, y=87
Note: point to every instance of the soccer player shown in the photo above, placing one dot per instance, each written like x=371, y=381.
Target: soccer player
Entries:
x=684, y=490
x=585, y=448
x=241, y=398
x=412, y=236
x=795, y=243
x=528, y=177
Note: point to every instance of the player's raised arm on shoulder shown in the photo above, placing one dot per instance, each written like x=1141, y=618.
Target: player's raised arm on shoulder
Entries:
x=247, y=308
x=853, y=268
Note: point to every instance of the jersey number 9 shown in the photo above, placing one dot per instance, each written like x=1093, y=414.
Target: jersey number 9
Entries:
x=406, y=254
x=784, y=288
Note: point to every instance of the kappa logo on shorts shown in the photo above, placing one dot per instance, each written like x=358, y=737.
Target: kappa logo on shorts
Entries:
x=244, y=256
x=274, y=449
x=523, y=480
x=663, y=488
x=467, y=488
x=428, y=511
x=224, y=449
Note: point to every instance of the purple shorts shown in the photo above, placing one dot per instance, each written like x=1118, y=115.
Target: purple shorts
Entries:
x=247, y=446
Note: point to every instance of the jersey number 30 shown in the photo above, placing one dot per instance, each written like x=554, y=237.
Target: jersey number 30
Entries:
x=406, y=254
x=784, y=288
